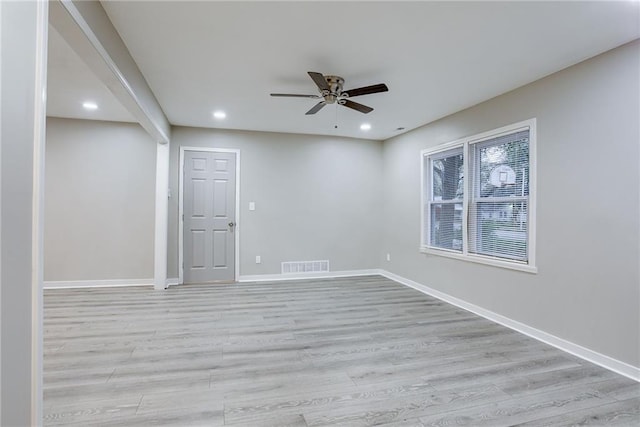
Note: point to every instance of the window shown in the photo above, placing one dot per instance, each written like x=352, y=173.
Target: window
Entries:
x=478, y=202
x=445, y=202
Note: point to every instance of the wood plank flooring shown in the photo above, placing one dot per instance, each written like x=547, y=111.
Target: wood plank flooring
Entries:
x=336, y=352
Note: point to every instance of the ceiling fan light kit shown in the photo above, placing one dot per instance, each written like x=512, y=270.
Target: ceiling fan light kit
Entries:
x=331, y=92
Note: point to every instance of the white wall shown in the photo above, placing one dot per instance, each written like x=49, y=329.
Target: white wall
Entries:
x=587, y=290
x=23, y=77
x=99, y=201
x=316, y=198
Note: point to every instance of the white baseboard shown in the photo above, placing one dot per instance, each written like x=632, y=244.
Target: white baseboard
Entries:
x=302, y=276
x=607, y=362
x=173, y=281
x=96, y=283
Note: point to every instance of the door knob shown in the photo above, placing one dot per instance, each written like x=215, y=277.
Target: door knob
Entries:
x=231, y=224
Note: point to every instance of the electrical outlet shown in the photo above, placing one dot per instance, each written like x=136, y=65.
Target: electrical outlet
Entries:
x=388, y=257
x=258, y=259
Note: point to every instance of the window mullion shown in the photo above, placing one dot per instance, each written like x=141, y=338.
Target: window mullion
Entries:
x=465, y=198
x=531, y=200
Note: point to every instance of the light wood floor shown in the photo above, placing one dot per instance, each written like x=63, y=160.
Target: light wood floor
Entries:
x=348, y=352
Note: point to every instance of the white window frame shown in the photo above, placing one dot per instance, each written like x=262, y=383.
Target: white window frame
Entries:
x=467, y=145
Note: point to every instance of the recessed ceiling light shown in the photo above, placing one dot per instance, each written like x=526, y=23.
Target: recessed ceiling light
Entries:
x=219, y=114
x=365, y=126
x=90, y=105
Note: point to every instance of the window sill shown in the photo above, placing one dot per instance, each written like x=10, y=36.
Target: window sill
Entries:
x=479, y=259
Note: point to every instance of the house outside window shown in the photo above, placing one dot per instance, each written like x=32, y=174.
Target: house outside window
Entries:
x=479, y=198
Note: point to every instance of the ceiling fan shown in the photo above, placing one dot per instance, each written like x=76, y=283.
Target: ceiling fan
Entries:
x=331, y=92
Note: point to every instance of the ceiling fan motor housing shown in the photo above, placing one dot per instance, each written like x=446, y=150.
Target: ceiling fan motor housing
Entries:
x=335, y=89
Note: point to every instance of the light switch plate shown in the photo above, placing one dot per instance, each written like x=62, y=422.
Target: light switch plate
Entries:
x=252, y=206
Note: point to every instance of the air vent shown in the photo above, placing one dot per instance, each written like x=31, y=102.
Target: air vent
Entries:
x=305, y=266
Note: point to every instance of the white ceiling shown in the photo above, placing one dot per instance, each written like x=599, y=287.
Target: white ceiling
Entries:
x=436, y=57
x=71, y=83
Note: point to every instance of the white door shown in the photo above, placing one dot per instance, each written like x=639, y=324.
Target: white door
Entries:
x=209, y=216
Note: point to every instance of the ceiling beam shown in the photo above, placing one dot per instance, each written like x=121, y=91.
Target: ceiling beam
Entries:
x=86, y=27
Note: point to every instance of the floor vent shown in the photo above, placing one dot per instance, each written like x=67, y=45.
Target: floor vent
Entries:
x=305, y=266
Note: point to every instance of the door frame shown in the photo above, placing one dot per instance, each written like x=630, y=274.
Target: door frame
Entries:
x=235, y=151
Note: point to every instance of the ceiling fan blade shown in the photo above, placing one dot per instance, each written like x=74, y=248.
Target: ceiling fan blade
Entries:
x=316, y=108
x=366, y=90
x=294, y=95
x=358, y=107
x=319, y=80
